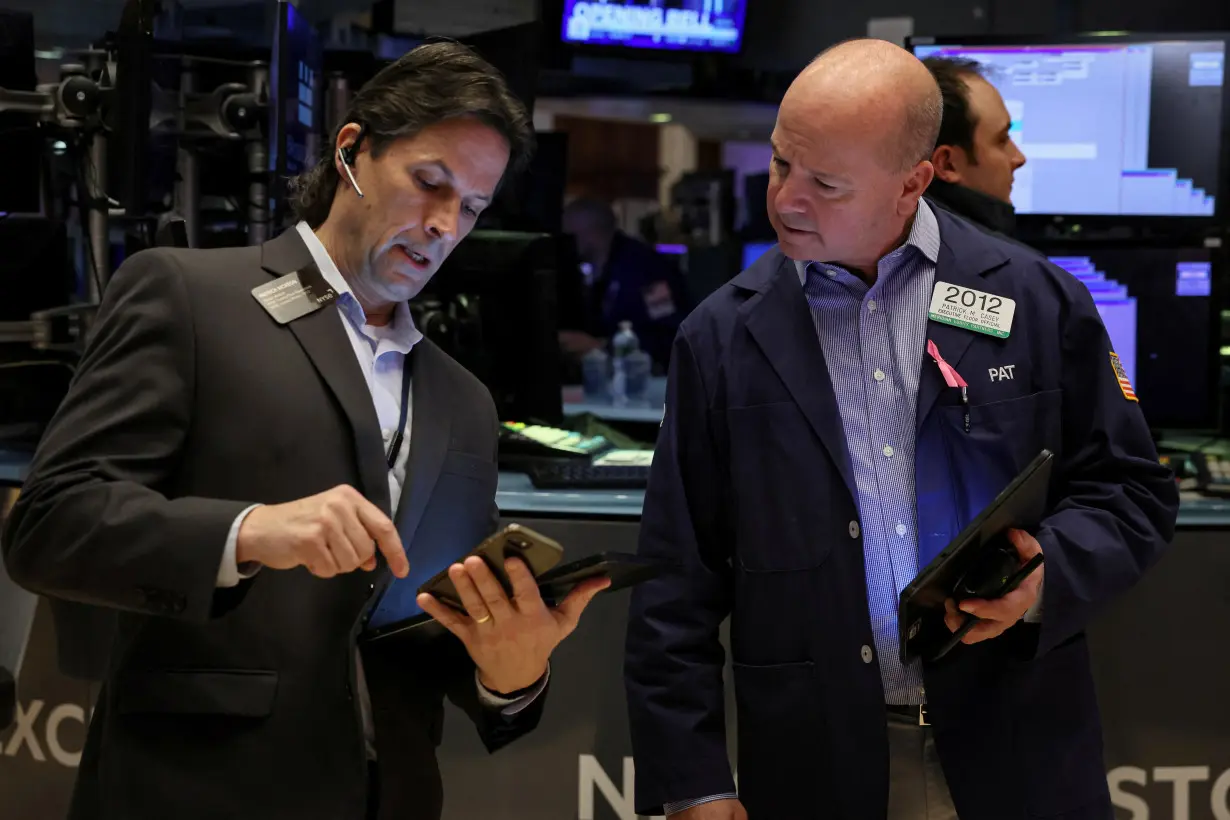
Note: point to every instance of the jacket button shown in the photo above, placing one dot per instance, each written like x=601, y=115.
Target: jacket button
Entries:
x=866, y=654
x=854, y=529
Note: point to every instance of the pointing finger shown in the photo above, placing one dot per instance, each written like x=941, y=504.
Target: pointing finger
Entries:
x=382, y=531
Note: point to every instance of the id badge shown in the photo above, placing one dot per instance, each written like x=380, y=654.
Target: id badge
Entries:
x=972, y=310
x=294, y=295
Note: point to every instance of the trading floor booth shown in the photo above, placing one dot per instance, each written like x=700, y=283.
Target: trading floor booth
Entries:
x=1159, y=655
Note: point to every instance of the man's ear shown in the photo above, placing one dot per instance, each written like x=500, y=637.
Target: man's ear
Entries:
x=947, y=160
x=915, y=186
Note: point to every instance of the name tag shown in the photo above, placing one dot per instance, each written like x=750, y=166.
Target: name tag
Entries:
x=972, y=310
x=294, y=295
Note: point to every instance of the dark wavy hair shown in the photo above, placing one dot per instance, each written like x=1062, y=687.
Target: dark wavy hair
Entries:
x=957, y=127
x=432, y=83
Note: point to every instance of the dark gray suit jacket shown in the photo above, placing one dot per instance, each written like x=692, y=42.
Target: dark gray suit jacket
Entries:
x=190, y=404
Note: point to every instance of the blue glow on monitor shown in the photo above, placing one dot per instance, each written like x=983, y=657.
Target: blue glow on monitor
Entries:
x=1194, y=279
x=754, y=250
x=696, y=25
x=1110, y=128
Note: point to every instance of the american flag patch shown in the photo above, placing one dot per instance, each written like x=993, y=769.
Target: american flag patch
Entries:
x=1121, y=377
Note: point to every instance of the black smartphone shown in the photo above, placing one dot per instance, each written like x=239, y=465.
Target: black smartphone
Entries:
x=539, y=553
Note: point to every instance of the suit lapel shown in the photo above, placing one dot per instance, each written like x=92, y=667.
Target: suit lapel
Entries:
x=782, y=326
x=959, y=263
x=429, y=436
x=324, y=340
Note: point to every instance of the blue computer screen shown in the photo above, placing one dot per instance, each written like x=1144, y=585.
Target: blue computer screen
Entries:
x=1155, y=304
x=1113, y=129
x=689, y=25
x=295, y=80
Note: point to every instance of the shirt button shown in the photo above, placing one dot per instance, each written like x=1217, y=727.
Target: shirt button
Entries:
x=901, y=530
x=888, y=450
x=871, y=305
x=830, y=273
x=854, y=529
x=865, y=654
x=879, y=374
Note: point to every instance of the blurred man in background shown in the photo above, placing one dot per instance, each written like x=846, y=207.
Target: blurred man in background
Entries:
x=975, y=158
x=625, y=280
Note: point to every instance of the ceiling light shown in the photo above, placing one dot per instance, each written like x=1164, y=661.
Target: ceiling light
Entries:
x=660, y=118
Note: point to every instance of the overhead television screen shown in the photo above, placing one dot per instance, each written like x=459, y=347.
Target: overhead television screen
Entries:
x=678, y=25
x=1110, y=128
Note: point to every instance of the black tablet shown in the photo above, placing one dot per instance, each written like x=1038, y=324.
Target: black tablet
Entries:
x=624, y=569
x=1021, y=505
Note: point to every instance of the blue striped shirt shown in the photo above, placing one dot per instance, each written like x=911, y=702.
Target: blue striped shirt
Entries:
x=874, y=339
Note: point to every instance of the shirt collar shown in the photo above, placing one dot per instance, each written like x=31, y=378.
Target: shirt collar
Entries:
x=924, y=235
x=403, y=334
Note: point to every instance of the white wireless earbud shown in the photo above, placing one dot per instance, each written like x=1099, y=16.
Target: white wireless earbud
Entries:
x=346, y=166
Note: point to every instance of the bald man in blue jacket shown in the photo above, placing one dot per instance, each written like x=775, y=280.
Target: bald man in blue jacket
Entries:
x=819, y=448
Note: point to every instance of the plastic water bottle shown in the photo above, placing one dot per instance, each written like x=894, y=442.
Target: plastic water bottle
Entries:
x=624, y=345
x=596, y=376
x=637, y=368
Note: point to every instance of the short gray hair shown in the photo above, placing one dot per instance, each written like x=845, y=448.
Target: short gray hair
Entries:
x=923, y=118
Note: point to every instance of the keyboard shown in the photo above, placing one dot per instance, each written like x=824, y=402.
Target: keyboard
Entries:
x=584, y=476
x=522, y=445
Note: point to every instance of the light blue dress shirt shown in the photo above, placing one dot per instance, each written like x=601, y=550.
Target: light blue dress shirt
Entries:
x=874, y=339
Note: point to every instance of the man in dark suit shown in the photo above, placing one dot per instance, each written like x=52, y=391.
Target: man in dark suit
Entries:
x=240, y=481
x=824, y=438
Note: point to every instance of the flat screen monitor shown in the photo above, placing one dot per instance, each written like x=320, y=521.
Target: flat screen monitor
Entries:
x=1158, y=305
x=681, y=25
x=295, y=107
x=753, y=251
x=1110, y=126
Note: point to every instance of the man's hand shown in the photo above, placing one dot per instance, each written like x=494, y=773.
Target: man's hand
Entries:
x=334, y=532
x=509, y=639
x=713, y=810
x=998, y=616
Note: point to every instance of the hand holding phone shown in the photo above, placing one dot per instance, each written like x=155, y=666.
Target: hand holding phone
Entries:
x=538, y=552
x=509, y=633
x=978, y=620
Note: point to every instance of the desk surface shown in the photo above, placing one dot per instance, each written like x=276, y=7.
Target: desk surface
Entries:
x=651, y=412
x=516, y=495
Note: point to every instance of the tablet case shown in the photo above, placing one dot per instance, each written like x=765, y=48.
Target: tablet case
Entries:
x=1021, y=505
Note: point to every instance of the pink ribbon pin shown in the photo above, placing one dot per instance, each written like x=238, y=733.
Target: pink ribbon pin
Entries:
x=951, y=377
